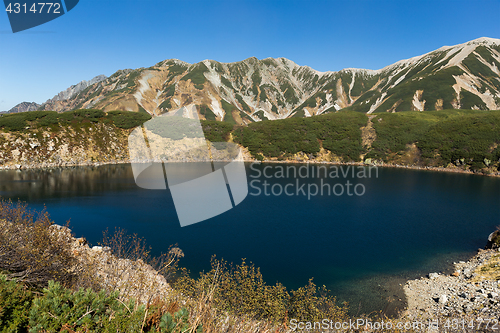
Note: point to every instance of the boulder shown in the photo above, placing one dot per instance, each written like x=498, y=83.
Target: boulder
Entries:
x=494, y=240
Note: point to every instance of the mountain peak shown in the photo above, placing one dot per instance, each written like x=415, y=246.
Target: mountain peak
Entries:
x=24, y=107
x=485, y=40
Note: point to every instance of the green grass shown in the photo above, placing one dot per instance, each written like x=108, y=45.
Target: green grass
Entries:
x=243, y=104
x=228, y=108
x=132, y=77
x=207, y=112
x=196, y=75
x=226, y=82
x=165, y=105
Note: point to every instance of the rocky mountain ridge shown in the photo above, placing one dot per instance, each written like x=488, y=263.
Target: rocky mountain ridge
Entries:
x=464, y=76
x=23, y=107
x=71, y=92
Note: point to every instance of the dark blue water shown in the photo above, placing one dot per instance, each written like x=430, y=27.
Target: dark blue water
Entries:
x=406, y=223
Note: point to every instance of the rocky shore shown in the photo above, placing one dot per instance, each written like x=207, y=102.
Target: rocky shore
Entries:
x=471, y=291
x=72, y=163
x=132, y=278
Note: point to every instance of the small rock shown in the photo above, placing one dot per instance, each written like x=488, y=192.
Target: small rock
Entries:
x=492, y=295
x=81, y=241
x=443, y=299
x=433, y=276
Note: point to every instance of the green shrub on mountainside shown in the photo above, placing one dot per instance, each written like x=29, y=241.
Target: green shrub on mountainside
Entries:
x=196, y=74
x=132, y=76
x=226, y=82
x=216, y=131
x=38, y=119
x=395, y=131
x=127, y=119
x=170, y=90
x=165, y=105
x=206, y=112
x=338, y=132
x=468, y=139
x=442, y=137
x=228, y=109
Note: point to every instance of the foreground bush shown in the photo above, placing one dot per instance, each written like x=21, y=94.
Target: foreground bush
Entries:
x=61, y=310
x=15, y=303
x=242, y=291
x=30, y=250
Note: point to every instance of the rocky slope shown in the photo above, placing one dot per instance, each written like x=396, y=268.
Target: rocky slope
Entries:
x=70, y=146
x=132, y=278
x=464, y=76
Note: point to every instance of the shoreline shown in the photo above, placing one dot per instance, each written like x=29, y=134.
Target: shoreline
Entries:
x=386, y=165
x=246, y=160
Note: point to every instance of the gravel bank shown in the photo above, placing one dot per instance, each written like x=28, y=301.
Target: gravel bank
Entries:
x=471, y=291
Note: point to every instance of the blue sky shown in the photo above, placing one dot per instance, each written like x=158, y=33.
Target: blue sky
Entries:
x=102, y=36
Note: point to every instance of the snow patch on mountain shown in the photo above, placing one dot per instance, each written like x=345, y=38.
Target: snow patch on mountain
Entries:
x=377, y=103
x=491, y=66
x=398, y=81
x=329, y=103
x=471, y=83
x=214, y=78
x=215, y=107
x=141, y=90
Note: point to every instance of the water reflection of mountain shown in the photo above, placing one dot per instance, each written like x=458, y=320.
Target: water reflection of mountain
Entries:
x=65, y=182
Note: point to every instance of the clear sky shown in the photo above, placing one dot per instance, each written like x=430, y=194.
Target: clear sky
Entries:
x=102, y=36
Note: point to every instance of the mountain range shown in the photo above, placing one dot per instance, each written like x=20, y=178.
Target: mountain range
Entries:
x=464, y=76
